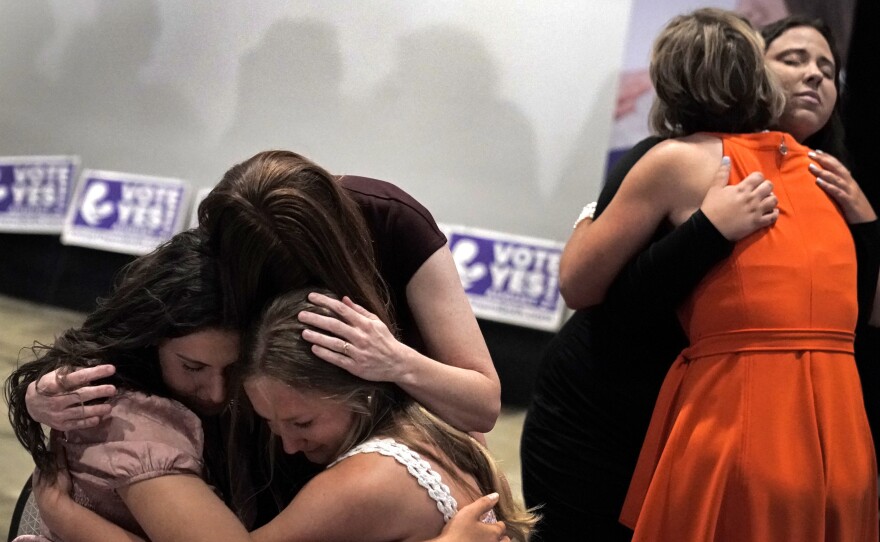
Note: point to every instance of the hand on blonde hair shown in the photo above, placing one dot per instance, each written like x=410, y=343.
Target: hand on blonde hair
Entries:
x=356, y=340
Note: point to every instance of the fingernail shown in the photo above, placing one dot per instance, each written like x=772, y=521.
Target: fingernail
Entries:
x=493, y=496
x=819, y=181
x=820, y=151
x=725, y=160
x=812, y=167
x=811, y=154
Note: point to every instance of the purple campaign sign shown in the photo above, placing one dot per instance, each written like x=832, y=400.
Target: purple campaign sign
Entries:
x=125, y=212
x=35, y=192
x=509, y=278
x=148, y=208
x=96, y=209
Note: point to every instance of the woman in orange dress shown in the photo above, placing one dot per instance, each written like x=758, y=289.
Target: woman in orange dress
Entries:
x=759, y=432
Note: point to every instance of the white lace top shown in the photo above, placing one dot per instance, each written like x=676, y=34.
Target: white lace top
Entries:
x=420, y=469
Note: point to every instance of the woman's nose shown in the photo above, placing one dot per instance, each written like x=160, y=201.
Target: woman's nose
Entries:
x=813, y=75
x=216, y=390
x=291, y=444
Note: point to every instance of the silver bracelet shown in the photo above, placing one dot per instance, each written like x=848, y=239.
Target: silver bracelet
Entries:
x=589, y=211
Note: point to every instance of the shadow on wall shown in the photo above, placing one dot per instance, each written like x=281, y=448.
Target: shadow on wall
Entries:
x=579, y=164
x=439, y=118
x=436, y=126
x=24, y=91
x=108, y=114
x=289, y=95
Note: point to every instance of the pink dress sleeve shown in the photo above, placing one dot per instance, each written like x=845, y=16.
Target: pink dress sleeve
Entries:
x=145, y=437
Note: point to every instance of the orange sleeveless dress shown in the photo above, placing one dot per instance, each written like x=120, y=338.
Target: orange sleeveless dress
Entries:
x=759, y=432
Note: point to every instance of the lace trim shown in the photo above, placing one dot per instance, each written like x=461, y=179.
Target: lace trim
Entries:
x=420, y=469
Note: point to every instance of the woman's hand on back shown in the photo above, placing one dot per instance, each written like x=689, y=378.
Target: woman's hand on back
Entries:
x=59, y=399
x=838, y=183
x=741, y=209
x=467, y=524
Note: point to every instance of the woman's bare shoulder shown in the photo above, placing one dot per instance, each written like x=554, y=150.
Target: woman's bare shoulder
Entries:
x=367, y=489
x=680, y=158
x=691, y=149
x=662, y=167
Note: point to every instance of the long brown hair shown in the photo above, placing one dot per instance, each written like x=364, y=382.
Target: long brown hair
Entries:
x=276, y=349
x=277, y=222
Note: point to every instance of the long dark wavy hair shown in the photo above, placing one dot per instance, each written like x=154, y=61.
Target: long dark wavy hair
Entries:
x=830, y=138
x=275, y=348
x=171, y=292
x=277, y=222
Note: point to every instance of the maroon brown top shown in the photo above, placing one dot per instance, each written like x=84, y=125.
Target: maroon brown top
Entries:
x=404, y=235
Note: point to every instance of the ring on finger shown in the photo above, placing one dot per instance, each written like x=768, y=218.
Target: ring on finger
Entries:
x=61, y=380
x=345, y=346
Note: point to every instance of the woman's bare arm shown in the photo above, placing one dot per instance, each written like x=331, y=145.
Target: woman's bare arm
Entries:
x=182, y=507
x=68, y=519
x=455, y=378
x=693, y=179
x=596, y=252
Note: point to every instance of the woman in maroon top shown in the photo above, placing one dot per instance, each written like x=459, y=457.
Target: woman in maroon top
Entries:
x=141, y=471
x=278, y=222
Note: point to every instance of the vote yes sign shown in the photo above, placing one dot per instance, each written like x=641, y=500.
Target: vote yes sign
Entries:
x=124, y=212
x=509, y=278
x=35, y=192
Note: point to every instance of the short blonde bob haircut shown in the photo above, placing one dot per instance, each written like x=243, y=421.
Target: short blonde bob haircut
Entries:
x=709, y=73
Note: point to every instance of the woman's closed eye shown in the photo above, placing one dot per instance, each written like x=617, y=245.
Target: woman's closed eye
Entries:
x=301, y=425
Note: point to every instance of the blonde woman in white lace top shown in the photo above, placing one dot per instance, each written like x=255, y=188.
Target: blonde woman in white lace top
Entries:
x=394, y=471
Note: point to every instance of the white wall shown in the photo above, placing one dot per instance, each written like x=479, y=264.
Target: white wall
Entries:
x=495, y=114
